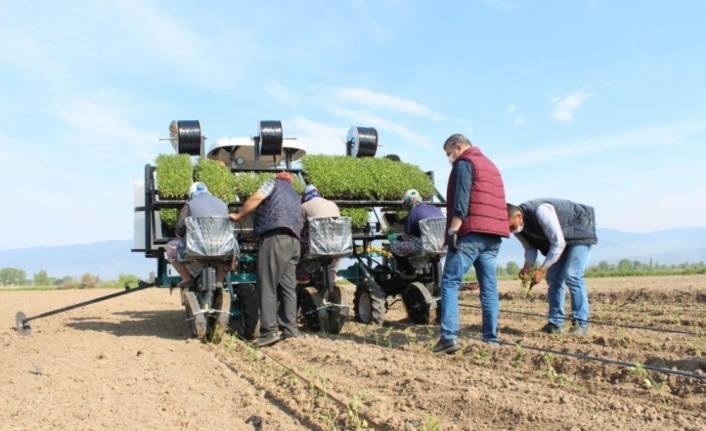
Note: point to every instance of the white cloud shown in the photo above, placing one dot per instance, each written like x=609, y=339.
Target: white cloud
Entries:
x=318, y=138
x=371, y=99
x=511, y=109
x=566, y=106
x=666, y=135
x=366, y=119
x=279, y=92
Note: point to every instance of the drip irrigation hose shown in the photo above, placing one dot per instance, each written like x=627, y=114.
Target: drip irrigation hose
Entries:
x=271, y=138
x=363, y=141
x=576, y=355
x=595, y=322
x=188, y=136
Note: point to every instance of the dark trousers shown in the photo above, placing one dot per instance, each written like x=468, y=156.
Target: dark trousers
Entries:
x=277, y=259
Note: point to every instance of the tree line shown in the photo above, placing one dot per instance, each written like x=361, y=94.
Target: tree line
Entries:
x=18, y=277
x=624, y=268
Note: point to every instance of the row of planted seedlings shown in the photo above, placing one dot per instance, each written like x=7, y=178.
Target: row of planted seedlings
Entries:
x=338, y=178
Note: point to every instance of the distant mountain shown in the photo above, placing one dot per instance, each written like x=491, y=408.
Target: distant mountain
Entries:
x=110, y=258
x=106, y=259
x=668, y=247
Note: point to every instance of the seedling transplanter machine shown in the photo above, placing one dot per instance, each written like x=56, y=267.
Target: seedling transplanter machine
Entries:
x=216, y=242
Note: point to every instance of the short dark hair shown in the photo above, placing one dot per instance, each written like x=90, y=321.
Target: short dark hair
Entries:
x=512, y=210
x=457, y=139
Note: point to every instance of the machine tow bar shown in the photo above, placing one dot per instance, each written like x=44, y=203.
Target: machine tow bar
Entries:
x=22, y=321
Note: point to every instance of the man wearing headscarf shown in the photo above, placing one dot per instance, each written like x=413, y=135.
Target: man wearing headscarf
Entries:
x=277, y=225
x=313, y=205
x=200, y=204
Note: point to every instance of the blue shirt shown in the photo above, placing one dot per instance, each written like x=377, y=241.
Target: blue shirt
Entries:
x=417, y=214
x=463, y=173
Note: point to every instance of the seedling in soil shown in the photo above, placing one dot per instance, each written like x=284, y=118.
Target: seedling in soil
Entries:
x=354, y=418
x=376, y=335
x=482, y=354
x=518, y=360
x=410, y=341
x=526, y=289
x=388, y=334
x=431, y=424
x=548, y=359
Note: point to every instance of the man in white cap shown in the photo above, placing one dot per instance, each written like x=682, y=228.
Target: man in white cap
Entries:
x=411, y=241
x=200, y=204
x=313, y=205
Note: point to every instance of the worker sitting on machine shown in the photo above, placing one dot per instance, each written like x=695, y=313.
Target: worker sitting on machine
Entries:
x=200, y=204
x=408, y=246
x=313, y=205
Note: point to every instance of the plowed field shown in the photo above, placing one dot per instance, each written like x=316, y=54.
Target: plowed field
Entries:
x=128, y=363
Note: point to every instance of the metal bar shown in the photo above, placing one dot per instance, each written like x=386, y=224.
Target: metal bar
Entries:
x=141, y=286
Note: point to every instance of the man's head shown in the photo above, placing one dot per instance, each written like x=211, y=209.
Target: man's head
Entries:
x=285, y=176
x=196, y=189
x=455, y=145
x=411, y=198
x=515, y=218
x=310, y=192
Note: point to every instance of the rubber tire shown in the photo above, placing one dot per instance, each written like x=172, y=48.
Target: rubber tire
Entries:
x=377, y=303
x=199, y=326
x=222, y=301
x=316, y=318
x=416, y=299
x=335, y=320
x=248, y=325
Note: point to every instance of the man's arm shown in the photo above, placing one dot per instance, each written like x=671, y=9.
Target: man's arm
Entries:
x=254, y=200
x=549, y=222
x=530, y=252
x=463, y=176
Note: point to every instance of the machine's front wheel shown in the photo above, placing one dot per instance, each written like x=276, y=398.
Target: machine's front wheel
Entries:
x=197, y=319
x=369, y=303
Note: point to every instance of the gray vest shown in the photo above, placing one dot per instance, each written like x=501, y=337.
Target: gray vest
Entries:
x=578, y=223
x=281, y=210
x=205, y=205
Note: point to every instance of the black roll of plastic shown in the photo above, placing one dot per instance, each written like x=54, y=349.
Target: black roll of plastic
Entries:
x=271, y=138
x=363, y=141
x=189, y=137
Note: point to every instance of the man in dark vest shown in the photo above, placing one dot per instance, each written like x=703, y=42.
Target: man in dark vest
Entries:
x=563, y=231
x=476, y=214
x=276, y=224
x=200, y=204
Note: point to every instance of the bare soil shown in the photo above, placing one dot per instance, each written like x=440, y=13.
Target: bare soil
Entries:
x=128, y=363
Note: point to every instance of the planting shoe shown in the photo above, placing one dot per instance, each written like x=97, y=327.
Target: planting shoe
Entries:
x=446, y=346
x=551, y=328
x=581, y=331
x=268, y=340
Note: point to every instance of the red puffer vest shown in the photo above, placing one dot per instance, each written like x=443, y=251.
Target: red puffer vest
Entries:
x=487, y=208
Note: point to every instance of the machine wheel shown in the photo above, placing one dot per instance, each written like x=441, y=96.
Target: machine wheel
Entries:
x=417, y=300
x=248, y=325
x=369, y=303
x=338, y=315
x=316, y=318
x=197, y=323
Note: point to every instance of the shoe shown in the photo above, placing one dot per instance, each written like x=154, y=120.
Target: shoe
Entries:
x=284, y=336
x=185, y=284
x=492, y=343
x=551, y=328
x=446, y=346
x=268, y=340
x=581, y=331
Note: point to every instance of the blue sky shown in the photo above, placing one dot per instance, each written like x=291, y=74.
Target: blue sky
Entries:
x=601, y=102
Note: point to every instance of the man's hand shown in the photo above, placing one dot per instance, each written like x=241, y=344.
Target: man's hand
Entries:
x=451, y=239
x=234, y=216
x=537, y=277
x=524, y=271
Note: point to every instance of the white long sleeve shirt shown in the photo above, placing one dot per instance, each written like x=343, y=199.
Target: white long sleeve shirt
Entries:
x=549, y=222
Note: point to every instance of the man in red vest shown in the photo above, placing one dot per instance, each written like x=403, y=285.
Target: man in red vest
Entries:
x=476, y=222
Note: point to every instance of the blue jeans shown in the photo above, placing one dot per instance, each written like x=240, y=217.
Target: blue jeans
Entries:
x=568, y=271
x=481, y=251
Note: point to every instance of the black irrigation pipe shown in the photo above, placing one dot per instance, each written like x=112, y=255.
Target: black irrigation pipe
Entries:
x=579, y=356
x=603, y=360
x=596, y=322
